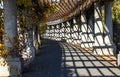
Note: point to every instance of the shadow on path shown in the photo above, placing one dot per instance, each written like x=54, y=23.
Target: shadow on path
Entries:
x=62, y=60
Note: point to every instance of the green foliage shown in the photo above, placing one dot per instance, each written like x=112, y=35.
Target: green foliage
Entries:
x=42, y=28
x=36, y=11
x=49, y=9
x=24, y=3
x=116, y=11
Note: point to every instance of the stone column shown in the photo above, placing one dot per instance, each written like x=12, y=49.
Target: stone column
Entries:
x=46, y=33
x=108, y=19
x=90, y=26
x=71, y=31
x=64, y=31
x=98, y=27
x=103, y=45
x=75, y=31
x=87, y=29
x=11, y=66
x=79, y=28
x=55, y=32
x=30, y=49
x=54, y=29
x=60, y=33
x=68, y=30
x=10, y=22
x=39, y=39
x=35, y=37
x=52, y=32
x=84, y=28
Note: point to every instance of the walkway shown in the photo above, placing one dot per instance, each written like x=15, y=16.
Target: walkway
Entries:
x=62, y=60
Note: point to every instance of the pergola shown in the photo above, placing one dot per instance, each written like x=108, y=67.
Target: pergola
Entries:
x=67, y=9
x=89, y=25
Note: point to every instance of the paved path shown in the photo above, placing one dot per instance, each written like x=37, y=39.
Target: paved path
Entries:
x=62, y=60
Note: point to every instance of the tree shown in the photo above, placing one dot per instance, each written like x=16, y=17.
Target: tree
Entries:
x=116, y=11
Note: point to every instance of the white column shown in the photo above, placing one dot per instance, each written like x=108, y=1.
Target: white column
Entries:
x=57, y=26
x=68, y=31
x=80, y=30
x=75, y=31
x=63, y=26
x=71, y=31
x=48, y=32
x=60, y=31
x=84, y=28
x=98, y=27
x=64, y=31
x=55, y=32
x=10, y=67
x=90, y=31
x=108, y=23
x=52, y=32
x=10, y=22
x=109, y=26
x=102, y=44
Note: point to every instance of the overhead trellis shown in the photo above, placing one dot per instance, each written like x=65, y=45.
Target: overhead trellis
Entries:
x=68, y=9
x=54, y=11
x=51, y=10
x=37, y=10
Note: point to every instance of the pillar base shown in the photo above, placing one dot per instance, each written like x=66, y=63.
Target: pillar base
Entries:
x=118, y=59
x=104, y=50
x=11, y=67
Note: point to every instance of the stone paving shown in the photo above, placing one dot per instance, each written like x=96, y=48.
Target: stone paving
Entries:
x=62, y=60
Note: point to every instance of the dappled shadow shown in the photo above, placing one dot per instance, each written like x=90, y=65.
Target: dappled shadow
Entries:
x=87, y=29
x=85, y=64
x=62, y=60
x=103, y=43
x=48, y=63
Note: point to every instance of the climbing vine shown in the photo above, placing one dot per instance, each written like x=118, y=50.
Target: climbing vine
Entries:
x=29, y=12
